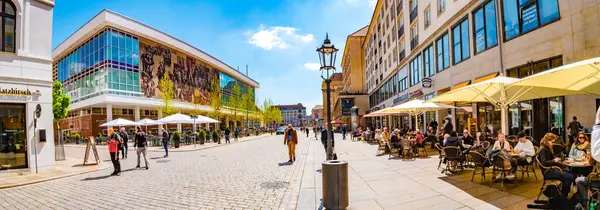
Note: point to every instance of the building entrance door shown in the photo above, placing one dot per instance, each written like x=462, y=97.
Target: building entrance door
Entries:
x=13, y=144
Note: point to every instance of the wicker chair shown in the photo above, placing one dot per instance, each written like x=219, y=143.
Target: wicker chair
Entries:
x=407, y=151
x=557, y=181
x=453, y=158
x=441, y=152
x=382, y=148
x=594, y=186
x=480, y=161
x=485, y=145
x=498, y=167
x=394, y=148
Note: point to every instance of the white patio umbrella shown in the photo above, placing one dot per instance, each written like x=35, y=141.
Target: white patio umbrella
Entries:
x=146, y=122
x=501, y=92
x=177, y=119
x=119, y=123
x=416, y=107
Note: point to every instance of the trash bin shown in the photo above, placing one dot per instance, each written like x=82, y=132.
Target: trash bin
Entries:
x=335, y=184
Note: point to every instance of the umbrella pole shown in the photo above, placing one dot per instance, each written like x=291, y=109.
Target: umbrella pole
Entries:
x=504, y=119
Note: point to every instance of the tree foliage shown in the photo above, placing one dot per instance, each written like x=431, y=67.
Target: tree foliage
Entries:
x=270, y=115
x=214, y=98
x=249, y=105
x=166, y=89
x=236, y=103
x=60, y=102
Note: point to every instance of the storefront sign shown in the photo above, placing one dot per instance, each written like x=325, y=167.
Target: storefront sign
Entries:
x=402, y=98
x=416, y=93
x=14, y=91
x=347, y=104
x=427, y=82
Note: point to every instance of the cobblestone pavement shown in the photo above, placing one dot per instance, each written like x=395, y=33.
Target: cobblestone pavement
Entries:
x=244, y=175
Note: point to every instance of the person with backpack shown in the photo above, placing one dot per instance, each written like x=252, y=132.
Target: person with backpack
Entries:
x=140, y=144
x=113, y=149
x=124, y=147
x=165, y=141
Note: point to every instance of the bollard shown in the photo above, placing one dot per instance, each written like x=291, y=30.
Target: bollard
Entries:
x=335, y=184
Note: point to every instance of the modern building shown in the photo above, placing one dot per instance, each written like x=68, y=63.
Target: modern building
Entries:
x=292, y=114
x=111, y=67
x=25, y=84
x=420, y=49
x=353, y=93
x=336, y=86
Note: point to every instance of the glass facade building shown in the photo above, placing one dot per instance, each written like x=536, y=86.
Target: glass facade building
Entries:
x=227, y=82
x=107, y=63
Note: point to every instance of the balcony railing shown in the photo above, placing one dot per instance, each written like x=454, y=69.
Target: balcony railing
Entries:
x=402, y=55
x=413, y=14
x=400, y=31
x=414, y=42
x=399, y=8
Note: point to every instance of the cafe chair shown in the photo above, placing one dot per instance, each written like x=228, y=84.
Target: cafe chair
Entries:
x=382, y=148
x=485, y=145
x=512, y=140
x=453, y=158
x=407, y=152
x=499, y=167
x=481, y=162
x=393, y=148
x=442, y=155
x=594, y=185
x=526, y=168
x=554, y=181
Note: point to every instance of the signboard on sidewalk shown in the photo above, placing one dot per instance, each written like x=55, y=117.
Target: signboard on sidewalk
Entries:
x=91, y=144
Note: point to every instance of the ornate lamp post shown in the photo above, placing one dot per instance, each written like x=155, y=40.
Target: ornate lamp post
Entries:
x=327, y=55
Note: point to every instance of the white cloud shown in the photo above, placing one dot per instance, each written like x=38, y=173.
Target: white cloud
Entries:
x=312, y=66
x=278, y=37
x=372, y=3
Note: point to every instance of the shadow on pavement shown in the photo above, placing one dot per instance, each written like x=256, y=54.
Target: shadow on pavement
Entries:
x=107, y=176
x=286, y=163
x=154, y=158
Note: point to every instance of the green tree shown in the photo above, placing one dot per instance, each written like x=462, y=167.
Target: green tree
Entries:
x=214, y=98
x=60, y=103
x=166, y=89
x=236, y=102
x=249, y=105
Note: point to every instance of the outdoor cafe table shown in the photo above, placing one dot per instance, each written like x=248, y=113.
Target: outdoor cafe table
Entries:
x=581, y=167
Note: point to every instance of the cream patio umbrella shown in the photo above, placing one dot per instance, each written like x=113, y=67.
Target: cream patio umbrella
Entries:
x=501, y=92
x=119, y=123
x=583, y=76
x=415, y=108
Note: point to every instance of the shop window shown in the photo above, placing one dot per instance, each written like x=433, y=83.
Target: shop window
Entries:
x=522, y=16
x=13, y=144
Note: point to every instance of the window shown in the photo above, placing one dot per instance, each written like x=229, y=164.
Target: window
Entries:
x=443, y=53
x=427, y=17
x=415, y=70
x=403, y=84
x=522, y=16
x=441, y=6
x=460, y=41
x=485, y=27
x=8, y=36
x=414, y=36
x=428, y=62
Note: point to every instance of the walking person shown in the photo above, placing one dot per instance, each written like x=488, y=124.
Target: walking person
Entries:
x=344, y=129
x=290, y=138
x=307, y=131
x=237, y=133
x=227, y=132
x=324, y=138
x=124, y=146
x=140, y=143
x=165, y=141
x=113, y=150
x=574, y=128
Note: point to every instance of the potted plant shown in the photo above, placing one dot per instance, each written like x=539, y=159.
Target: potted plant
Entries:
x=202, y=136
x=177, y=138
x=216, y=137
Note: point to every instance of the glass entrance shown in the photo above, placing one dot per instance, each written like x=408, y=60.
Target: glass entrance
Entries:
x=13, y=144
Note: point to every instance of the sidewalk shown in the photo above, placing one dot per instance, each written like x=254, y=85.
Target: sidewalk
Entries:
x=378, y=183
x=66, y=168
x=182, y=148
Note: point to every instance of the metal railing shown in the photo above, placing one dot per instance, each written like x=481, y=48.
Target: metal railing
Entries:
x=400, y=31
x=413, y=14
x=402, y=55
x=399, y=8
x=414, y=42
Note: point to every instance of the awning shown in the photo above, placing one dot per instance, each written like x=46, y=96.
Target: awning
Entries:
x=462, y=84
x=486, y=77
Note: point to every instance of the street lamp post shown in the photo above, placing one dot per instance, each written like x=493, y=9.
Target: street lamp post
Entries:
x=327, y=55
x=335, y=172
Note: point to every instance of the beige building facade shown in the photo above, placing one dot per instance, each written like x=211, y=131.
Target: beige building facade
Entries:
x=455, y=43
x=353, y=94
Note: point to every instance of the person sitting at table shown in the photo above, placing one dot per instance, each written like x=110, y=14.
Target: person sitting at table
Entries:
x=547, y=159
x=525, y=149
x=452, y=140
x=581, y=146
x=386, y=135
x=418, y=141
x=501, y=143
x=467, y=139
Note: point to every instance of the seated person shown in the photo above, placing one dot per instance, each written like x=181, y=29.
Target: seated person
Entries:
x=501, y=143
x=418, y=141
x=581, y=146
x=525, y=149
x=467, y=139
x=452, y=140
x=547, y=159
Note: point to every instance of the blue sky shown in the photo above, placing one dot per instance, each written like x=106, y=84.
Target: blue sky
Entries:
x=275, y=38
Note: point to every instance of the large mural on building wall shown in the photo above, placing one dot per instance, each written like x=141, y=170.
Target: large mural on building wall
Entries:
x=188, y=74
